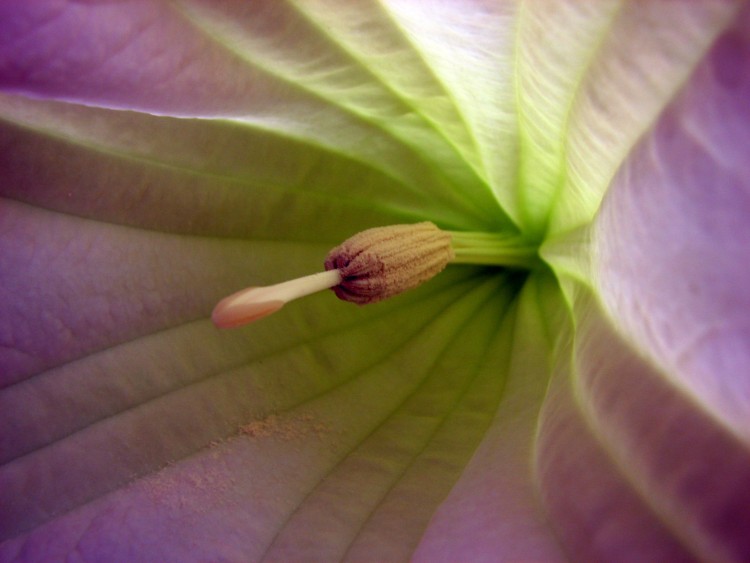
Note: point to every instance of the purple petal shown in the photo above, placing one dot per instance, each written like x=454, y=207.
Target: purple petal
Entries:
x=136, y=55
x=673, y=239
x=645, y=449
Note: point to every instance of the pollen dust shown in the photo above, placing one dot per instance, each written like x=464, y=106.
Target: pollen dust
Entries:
x=286, y=428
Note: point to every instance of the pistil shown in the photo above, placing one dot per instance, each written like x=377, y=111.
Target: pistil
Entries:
x=254, y=303
x=377, y=264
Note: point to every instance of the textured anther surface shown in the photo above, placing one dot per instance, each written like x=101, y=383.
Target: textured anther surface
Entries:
x=382, y=262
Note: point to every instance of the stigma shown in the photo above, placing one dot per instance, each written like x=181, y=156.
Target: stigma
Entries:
x=372, y=265
x=254, y=303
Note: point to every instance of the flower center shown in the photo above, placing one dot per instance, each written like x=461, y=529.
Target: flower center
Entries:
x=379, y=263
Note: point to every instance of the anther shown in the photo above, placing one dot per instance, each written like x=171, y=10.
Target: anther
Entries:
x=382, y=262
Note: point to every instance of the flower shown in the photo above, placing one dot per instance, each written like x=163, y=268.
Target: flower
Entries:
x=159, y=156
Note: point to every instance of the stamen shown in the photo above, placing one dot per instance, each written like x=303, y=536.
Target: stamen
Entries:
x=379, y=263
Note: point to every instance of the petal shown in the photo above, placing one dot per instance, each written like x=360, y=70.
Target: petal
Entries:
x=648, y=52
x=350, y=443
x=239, y=64
x=644, y=451
x=492, y=513
x=672, y=241
x=548, y=79
x=469, y=47
x=195, y=177
x=632, y=469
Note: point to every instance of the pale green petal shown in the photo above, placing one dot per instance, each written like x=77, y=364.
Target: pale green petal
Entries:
x=315, y=51
x=469, y=47
x=547, y=79
x=202, y=177
x=493, y=508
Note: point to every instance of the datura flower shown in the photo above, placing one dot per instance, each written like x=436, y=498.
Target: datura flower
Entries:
x=573, y=381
